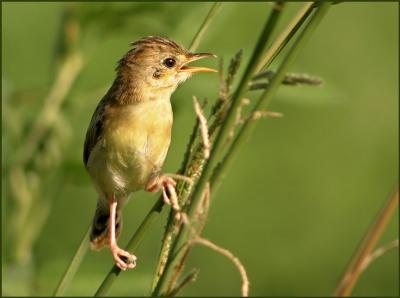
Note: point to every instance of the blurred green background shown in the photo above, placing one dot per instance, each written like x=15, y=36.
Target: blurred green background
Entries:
x=296, y=202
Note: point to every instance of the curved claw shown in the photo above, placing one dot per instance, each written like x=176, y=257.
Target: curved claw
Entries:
x=165, y=197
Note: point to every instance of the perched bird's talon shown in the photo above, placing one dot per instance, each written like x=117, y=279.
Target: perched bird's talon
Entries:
x=123, y=259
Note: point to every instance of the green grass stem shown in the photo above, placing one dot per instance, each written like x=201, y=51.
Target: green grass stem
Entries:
x=214, y=10
x=285, y=36
x=73, y=265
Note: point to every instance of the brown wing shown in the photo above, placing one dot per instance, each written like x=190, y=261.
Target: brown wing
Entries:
x=95, y=130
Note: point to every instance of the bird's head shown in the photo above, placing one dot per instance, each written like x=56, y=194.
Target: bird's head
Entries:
x=160, y=63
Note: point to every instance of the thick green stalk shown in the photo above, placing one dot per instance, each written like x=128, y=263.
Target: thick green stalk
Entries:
x=132, y=246
x=265, y=98
x=176, y=250
x=73, y=265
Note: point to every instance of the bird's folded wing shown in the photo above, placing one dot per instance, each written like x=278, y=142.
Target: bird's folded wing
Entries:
x=95, y=130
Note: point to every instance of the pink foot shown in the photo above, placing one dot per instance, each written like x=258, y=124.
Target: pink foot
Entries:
x=168, y=187
x=123, y=259
x=163, y=183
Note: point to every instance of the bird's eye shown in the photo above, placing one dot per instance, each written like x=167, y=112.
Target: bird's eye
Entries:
x=169, y=62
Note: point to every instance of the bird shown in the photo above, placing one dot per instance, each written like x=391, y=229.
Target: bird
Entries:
x=129, y=134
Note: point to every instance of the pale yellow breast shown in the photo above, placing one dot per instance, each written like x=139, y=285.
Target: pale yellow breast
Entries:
x=135, y=143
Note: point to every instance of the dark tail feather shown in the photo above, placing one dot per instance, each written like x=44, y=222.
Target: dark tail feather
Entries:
x=99, y=236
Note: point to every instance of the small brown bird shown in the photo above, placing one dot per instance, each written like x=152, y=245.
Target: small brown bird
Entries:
x=130, y=133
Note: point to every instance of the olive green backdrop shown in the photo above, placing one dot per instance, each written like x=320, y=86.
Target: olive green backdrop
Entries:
x=301, y=194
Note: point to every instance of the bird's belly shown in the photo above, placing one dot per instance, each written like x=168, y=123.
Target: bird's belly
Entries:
x=133, y=148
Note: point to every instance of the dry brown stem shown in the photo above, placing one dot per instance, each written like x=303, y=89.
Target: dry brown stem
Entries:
x=262, y=114
x=379, y=252
x=191, y=277
x=196, y=228
x=203, y=128
x=233, y=258
x=365, y=249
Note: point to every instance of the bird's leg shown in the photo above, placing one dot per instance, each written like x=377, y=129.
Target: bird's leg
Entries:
x=118, y=253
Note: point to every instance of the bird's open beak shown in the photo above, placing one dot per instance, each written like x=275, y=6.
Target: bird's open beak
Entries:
x=193, y=57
